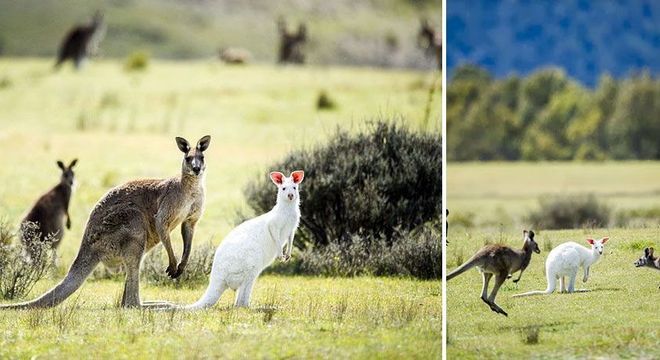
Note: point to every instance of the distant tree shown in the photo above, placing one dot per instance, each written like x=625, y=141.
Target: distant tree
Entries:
x=634, y=131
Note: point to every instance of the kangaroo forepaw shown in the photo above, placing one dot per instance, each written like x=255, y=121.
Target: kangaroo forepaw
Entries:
x=172, y=271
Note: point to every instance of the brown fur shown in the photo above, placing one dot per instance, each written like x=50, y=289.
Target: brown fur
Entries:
x=431, y=41
x=130, y=220
x=291, y=43
x=501, y=261
x=79, y=42
x=49, y=212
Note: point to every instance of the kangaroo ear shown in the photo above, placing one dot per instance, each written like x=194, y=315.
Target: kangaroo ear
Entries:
x=182, y=144
x=277, y=177
x=590, y=241
x=650, y=252
x=203, y=143
x=73, y=163
x=298, y=176
x=604, y=240
x=61, y=165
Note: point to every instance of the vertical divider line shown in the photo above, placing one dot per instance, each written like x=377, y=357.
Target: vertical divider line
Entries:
x=443, y=136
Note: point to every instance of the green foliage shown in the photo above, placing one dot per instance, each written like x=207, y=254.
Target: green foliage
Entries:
x=570, y=212
x=370, y=184
x=325, y=102
x=361, y=194
x=137, y=61
x=547, y=116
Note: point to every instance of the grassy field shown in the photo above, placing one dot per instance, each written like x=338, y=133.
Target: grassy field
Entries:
x=121, y=126
x=496, y=194
x=615, y=320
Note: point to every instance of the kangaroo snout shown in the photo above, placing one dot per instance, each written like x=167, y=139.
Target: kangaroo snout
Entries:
x=290, y=196
x=196, y=170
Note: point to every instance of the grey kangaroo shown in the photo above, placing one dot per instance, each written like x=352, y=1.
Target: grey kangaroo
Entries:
x=49, y=211
x=501, y=261
x=648, y=260
x=130, y=220
x=80, y=42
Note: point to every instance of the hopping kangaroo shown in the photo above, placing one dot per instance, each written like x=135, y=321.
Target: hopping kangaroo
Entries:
x=253, y=245
x=565, y=261
x=130, y=220
x=49, y=211
x=501, y=261
x=80, y=42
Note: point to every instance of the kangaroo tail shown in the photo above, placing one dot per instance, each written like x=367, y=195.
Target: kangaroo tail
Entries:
x=552, y=283
x=472, y=262
x=81, y=268
x=213, y=292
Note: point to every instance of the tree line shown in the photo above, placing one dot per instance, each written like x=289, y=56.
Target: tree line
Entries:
x=549, y=116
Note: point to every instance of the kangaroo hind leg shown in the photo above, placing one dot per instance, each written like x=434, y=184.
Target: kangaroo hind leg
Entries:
x=499, y=280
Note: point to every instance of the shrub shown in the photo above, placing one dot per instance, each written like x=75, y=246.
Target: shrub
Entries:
x=367, y=186
x=137, y=61
x=570, y=212
x=416, y=253
x=324, y=102
x=22, y=263
x=196, y=272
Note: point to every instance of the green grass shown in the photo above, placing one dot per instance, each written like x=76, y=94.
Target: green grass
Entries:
x=503, y=193
x=617, y=319
x=291, y=317
x=122, y=125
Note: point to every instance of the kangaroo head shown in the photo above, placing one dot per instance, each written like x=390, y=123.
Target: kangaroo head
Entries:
x=528, y=236
x=647, y=259
x=67, y=172
x=598, y=245
x=287, y=187
x=193, y=159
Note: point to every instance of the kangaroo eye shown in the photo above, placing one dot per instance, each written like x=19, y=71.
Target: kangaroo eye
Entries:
x=283, y=188
x=294, y=188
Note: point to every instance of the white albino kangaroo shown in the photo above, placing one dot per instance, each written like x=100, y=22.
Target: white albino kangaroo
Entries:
x=253, y=245
x=565, y=261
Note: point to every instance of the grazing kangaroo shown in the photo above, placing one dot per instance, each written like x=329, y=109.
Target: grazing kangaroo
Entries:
x=80, y=42
x=501, y=261
x=253, y=245
x=235, y=56
x=565, y=261
x=291, y=43
x=49, y=211
x=130, y=220
x=648, y=260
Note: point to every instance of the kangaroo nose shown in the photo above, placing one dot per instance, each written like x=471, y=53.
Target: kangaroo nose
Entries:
x=196, y=169
x=290, y=196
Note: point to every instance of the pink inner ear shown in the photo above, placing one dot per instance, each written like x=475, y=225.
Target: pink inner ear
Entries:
x=297, y=176
x=277, y=177
x=590, y=241
x=604, y=240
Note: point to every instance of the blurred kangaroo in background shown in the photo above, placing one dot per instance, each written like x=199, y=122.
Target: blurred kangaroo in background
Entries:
x=501, y=261
x=648, y=260
x=49, y=211
x=291, y=43
x=430, y=41
x=130, y=220
x=81, y=42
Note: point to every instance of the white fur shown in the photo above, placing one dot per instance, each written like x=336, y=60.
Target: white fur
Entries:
x=565, y=261
x=252, y=246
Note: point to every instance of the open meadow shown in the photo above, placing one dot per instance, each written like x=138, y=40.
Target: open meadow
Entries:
x=121, y=126
x=617, y=319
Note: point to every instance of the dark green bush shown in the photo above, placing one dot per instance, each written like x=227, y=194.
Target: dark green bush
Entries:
x=366, y=185
x=570, y=212
x=415, y=253
x=137, y=61
x=364, y=203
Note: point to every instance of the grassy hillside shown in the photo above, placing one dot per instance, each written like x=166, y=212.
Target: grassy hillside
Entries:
x=341, y=32
x=615, y=320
